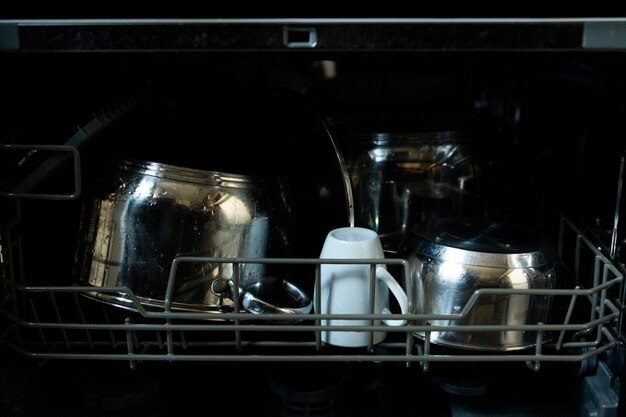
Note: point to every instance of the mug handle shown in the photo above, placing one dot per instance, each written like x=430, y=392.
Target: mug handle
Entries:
x=397, y=291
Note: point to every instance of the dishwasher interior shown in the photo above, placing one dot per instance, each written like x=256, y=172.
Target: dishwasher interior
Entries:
x=548, y=151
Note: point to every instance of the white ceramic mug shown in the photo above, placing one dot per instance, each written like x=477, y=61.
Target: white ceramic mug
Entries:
x=345, y=289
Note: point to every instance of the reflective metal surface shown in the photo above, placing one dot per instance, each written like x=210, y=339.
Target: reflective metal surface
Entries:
x=142, y=215
x=345, y=175
x=289, y=299
x=446, y=276
x=400, y=179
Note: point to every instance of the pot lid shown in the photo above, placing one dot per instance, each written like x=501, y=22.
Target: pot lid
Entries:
x=482, y=242
x=398, y=127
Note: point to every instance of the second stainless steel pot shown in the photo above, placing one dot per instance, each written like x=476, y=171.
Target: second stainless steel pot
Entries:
x=143, y=215
x=400, y=179
x=452, y=258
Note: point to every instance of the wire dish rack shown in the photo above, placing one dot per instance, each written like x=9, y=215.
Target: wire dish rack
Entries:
x=66, y=322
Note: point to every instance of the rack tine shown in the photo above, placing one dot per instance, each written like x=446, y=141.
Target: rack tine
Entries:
x=107, y=320
x=36, y=318
x=82, y=319
x=318, y=302
x=372, y=305
x=159, y=339
x=426, y=363
x=568, y=317
x=536, y=365
x=237, y=303
x=131, y=342
x=57, y=313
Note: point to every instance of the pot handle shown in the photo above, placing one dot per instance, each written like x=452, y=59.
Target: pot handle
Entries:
x=255, y=305
x=397, y=291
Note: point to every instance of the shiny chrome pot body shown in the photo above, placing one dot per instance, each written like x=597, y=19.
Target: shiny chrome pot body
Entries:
x=400, y=179
x=143, y=215
x=448, y=264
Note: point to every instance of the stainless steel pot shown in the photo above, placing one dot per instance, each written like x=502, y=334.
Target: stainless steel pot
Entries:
x=142, y=215
x=451, y=258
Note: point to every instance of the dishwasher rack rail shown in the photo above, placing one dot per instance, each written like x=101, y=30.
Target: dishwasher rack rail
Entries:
x=67, y=322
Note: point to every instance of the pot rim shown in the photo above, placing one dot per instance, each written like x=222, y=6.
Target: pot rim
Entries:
x=481, y=242
x=195, y=175
x=534, y=259
x=410, y=138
